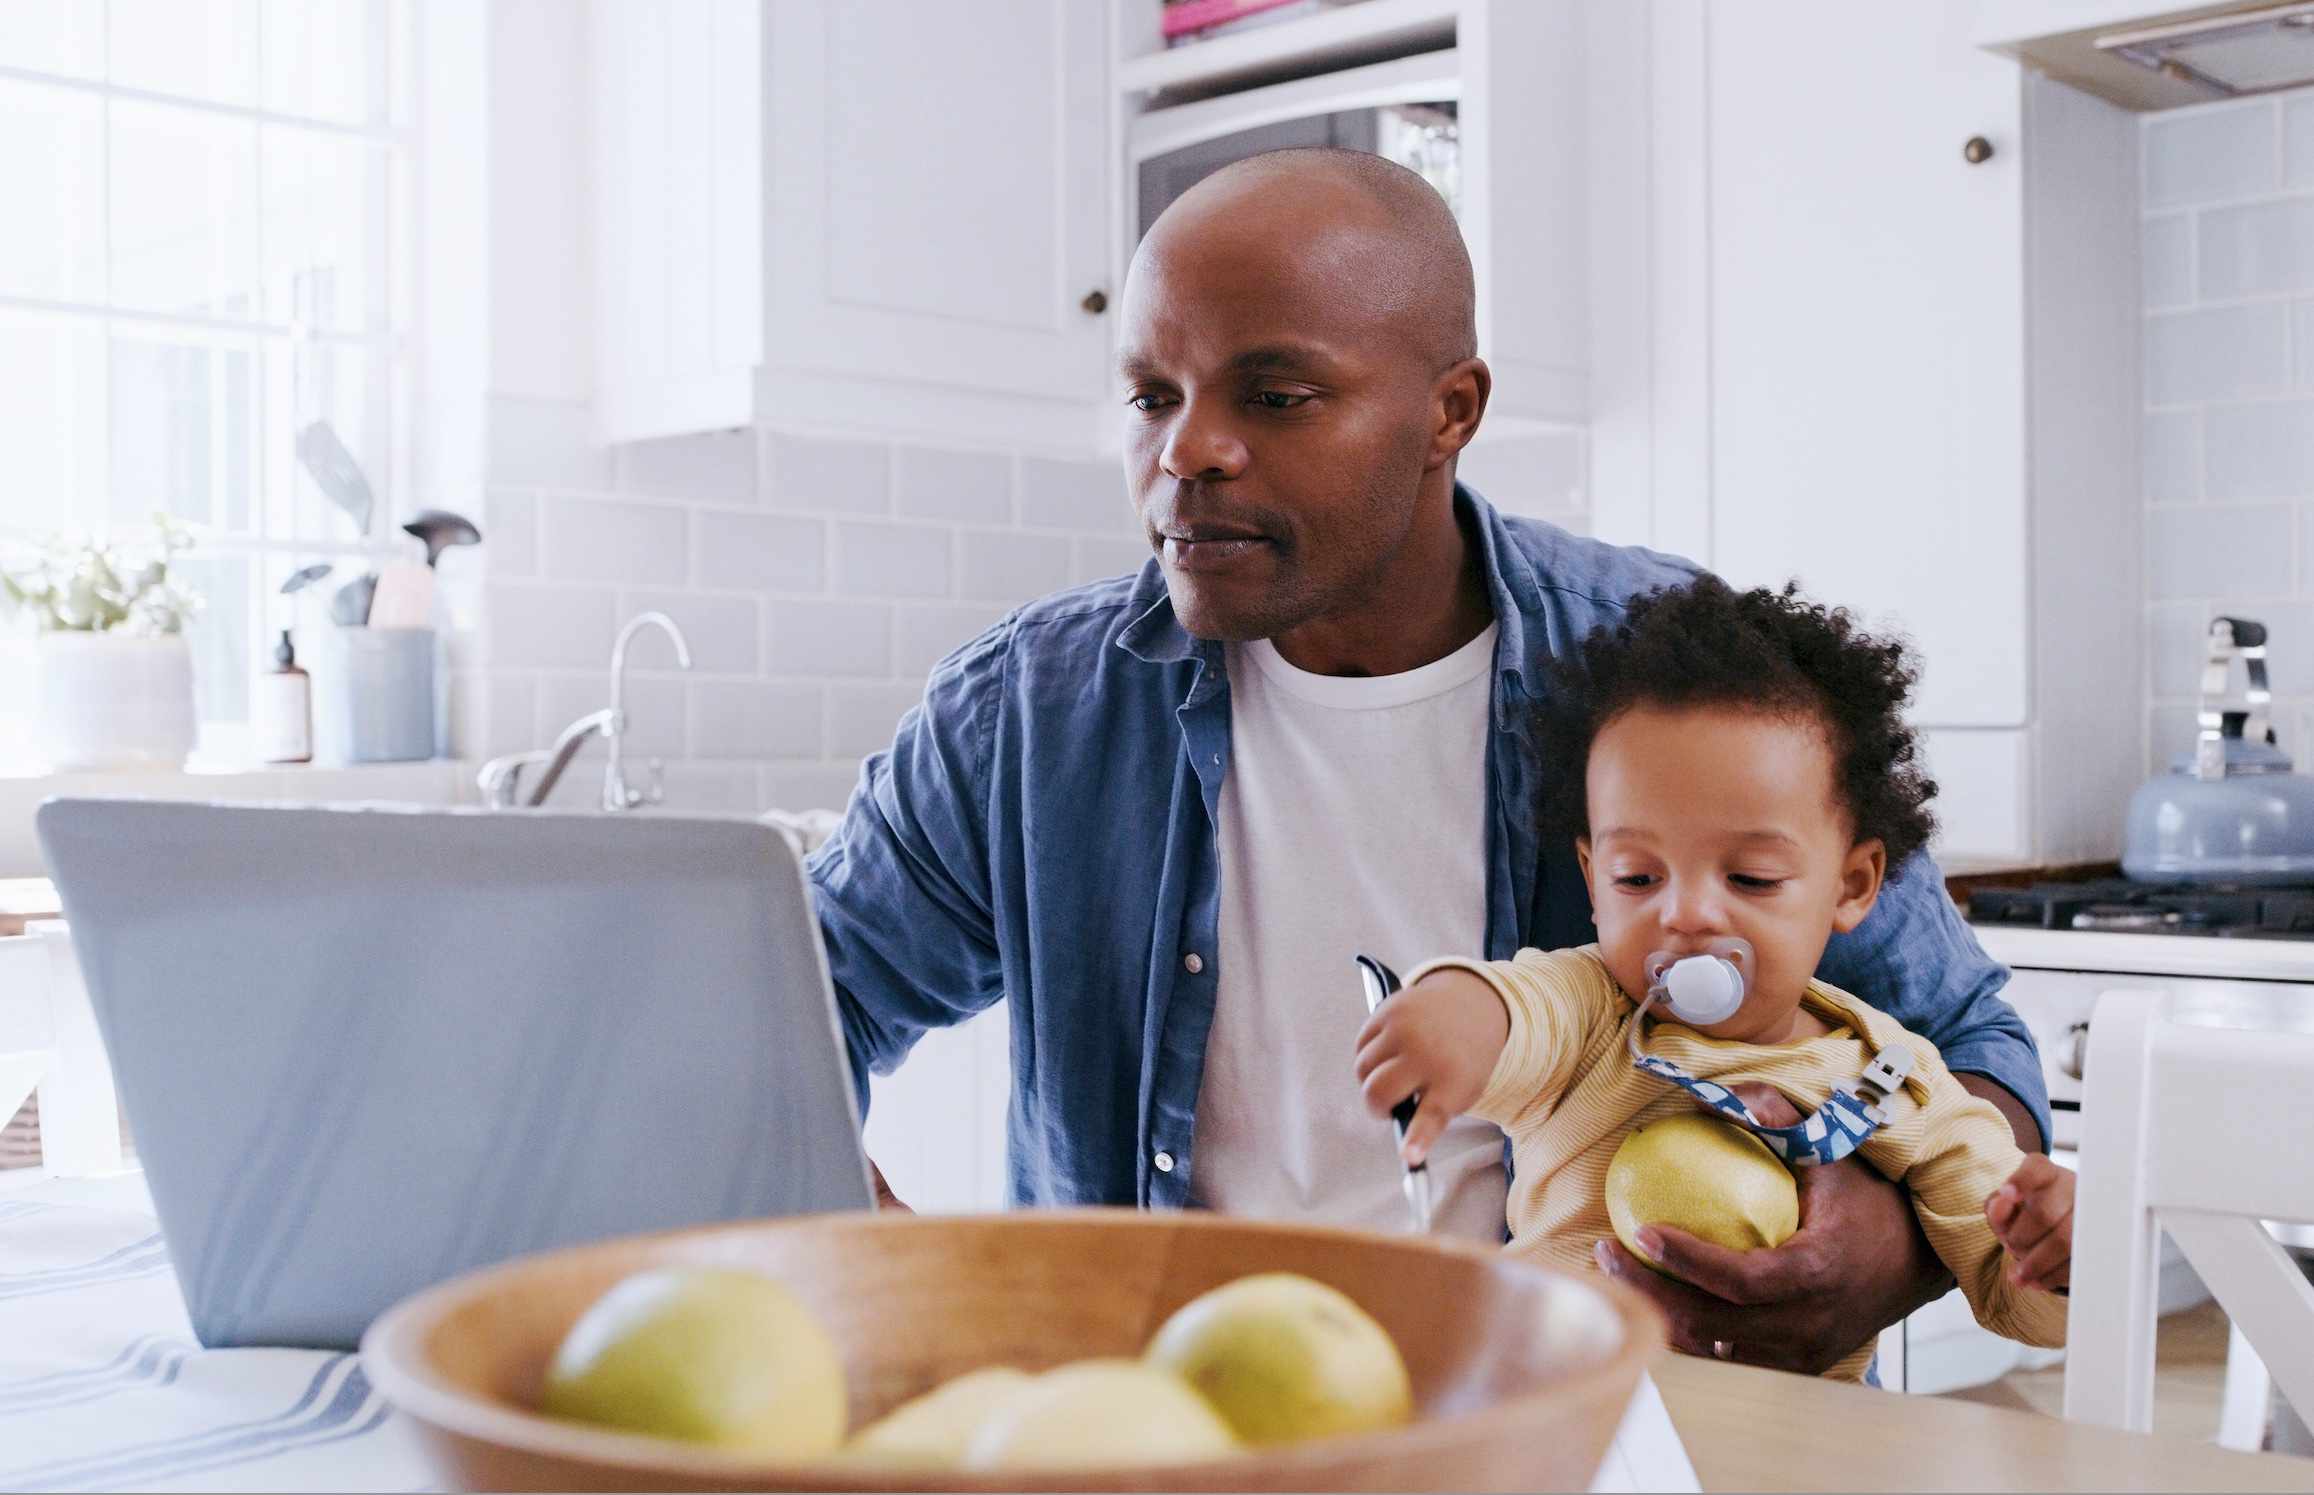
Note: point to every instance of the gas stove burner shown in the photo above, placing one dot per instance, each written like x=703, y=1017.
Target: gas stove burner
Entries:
x=2114, y=906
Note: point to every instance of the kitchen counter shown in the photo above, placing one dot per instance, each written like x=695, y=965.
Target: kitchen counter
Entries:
x=1751, y=1429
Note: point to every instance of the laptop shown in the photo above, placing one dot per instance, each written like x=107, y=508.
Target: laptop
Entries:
x=363, y=1049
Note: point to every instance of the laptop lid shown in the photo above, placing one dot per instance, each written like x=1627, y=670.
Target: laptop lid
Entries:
x=363, y=1049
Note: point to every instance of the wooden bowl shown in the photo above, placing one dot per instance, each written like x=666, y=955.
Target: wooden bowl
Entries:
x=1521, y=1373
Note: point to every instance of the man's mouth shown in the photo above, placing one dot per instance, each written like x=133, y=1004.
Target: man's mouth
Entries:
x=1211, y=547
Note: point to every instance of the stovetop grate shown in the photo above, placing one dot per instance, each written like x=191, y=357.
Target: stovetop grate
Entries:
x=2116, y=906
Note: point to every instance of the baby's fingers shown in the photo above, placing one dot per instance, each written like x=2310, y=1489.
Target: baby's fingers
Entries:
x=1390, y=1082
x=1428, y=1123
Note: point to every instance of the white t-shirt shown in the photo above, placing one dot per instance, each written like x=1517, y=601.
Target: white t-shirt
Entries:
x=1353, y=821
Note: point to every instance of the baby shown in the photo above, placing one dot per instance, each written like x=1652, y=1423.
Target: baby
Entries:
x=1743, y=773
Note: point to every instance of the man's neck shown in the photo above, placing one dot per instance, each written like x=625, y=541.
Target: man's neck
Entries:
x=1432, y=601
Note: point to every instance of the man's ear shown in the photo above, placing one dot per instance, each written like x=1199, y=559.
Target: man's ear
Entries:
x=1458, y=404
x=1861, y=873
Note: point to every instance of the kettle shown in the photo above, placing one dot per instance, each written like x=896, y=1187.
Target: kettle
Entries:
x=2230, y=811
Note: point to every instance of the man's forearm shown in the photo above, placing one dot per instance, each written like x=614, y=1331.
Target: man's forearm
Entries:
x=2012, y=1109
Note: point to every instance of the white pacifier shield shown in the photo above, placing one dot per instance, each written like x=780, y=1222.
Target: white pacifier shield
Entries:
x=1703, y=989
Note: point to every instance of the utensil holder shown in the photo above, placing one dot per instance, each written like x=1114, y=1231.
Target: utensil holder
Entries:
x=375, y=699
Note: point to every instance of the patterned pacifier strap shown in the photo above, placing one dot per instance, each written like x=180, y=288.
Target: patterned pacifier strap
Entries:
x=1838, y=1127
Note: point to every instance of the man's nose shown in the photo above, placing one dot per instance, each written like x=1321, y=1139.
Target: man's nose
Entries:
x=1201, y=446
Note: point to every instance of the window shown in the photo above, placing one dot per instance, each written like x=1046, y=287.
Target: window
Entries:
x=206, y=250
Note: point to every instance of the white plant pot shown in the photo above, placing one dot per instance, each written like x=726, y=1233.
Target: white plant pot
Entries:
x=108, y=701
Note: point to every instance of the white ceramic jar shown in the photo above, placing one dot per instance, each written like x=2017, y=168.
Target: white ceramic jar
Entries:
x=111, y=701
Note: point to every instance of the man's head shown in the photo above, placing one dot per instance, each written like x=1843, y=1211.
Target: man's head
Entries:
x=1298, y=358
x=1735, y=763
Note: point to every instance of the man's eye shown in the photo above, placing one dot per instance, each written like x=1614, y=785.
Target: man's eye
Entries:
x=1755, y=884
x=1145, y=403
x=1277, y=399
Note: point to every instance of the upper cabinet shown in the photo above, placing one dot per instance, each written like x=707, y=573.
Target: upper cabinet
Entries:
x=913, y=240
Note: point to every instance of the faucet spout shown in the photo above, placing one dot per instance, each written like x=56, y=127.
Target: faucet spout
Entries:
x=617, y=795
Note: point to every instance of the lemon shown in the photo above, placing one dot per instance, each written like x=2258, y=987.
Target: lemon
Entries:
x=1284, y=1358
x=1710, y=1178
x=708, y=1355
x=933, y=1430
x=1097, y=1412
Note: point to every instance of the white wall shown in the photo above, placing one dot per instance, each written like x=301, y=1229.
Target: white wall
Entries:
x=2228, y=438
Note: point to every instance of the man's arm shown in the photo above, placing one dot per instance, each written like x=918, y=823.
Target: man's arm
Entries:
x=902, y=887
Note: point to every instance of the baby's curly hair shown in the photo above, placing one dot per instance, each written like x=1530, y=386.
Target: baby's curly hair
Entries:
x=1707, y=644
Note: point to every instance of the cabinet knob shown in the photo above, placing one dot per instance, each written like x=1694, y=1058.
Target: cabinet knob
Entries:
x=1977, y=151
x=1095, y=302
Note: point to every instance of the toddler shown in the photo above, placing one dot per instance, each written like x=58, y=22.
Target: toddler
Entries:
x=1742, y=777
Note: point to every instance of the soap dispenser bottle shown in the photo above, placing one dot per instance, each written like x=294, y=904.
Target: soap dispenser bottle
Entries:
x=285, y=708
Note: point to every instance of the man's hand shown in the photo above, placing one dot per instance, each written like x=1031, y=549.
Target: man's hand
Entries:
x=1857, y=1264
x=885, y=1198
x=2033, y=1215
x=1439, y=1039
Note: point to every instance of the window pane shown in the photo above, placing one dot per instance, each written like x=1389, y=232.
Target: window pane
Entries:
x=51, y=423
x=202, y=49
x=183, y=428
x=321, y=58
x=52, y=179
x=184, y=212
x=223, y=651
x=345, y=387
x=324, y=218
x=53, y=36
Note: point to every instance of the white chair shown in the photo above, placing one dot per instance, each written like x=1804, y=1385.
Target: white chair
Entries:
x=2205, y=1133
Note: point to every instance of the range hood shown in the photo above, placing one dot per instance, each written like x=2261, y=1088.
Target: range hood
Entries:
x=2181, y=56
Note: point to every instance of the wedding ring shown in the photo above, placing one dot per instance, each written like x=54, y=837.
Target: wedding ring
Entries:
x=1722, y=1350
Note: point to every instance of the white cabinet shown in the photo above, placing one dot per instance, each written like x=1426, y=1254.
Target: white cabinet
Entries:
x=1835, y=341
x=811, y=213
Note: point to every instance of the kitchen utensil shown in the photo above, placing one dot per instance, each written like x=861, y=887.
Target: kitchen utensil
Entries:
x=1381, y=984
x=375, y=698
x=405, y=596
x=351, y=606
x=2230, y=810
x=305, y=577
x=441, y=529
x=1521, y=1373
x=333, y=468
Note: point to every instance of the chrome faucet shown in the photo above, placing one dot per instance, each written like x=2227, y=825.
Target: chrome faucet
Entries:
x=501, y=778
x=616, y=794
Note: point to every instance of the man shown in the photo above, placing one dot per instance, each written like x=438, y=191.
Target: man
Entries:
x=1160, y=813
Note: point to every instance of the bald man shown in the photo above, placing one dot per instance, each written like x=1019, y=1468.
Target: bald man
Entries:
x=1160, y=813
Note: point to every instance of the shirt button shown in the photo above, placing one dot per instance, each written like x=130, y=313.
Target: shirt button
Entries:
x=1164, y=1161
x=1192, y=962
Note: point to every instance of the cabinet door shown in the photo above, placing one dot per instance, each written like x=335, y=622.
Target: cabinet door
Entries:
x=1867, y=426
x=938, y=194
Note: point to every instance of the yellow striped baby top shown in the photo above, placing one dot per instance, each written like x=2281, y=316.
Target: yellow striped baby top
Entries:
x=1566, y=1093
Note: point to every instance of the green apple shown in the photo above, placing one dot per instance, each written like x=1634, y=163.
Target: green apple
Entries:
x=709, y=1355
x=1285, y=1358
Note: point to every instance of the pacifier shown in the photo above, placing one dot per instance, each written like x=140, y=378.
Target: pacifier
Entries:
x=1705, y=986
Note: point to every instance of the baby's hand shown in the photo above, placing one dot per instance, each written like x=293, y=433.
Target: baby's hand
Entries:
x=2033, y=1215
x=1440, y=1039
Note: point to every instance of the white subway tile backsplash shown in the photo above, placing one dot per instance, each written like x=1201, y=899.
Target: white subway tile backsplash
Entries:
x=2298, y=139
x=1001, y=567
x=545, y=444
x=725, y=633
x=2170, y=729
x=2258, y=249
x=758, y=552
x=2218, y=353
x=1098, y=558
x=2170, y=456
x=2302, y=339
x=2209, y=155
x=535, y=625
x=719, y=467
x=755, y=719
x=809, y=786
x=509, y=526
x=2261, y=451
x=861, y=718
x=2166, y=259
x=595, y=539
x=655, y=718
x=962, y=487
x=1058, y=494
x=2174, y=632
x=824, y=475
x=893, y=560
x=713, y=789
x=509, y=717
x=923, y=634
x=2218, y=552
x=828, y=638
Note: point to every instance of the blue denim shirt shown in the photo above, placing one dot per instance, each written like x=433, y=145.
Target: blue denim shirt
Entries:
x=1043, y=830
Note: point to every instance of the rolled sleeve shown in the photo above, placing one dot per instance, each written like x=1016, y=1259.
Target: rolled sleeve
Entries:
x=1916, y=959
x=902, y=886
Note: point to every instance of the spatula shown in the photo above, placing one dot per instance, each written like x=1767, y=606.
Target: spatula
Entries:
x=336, y=472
